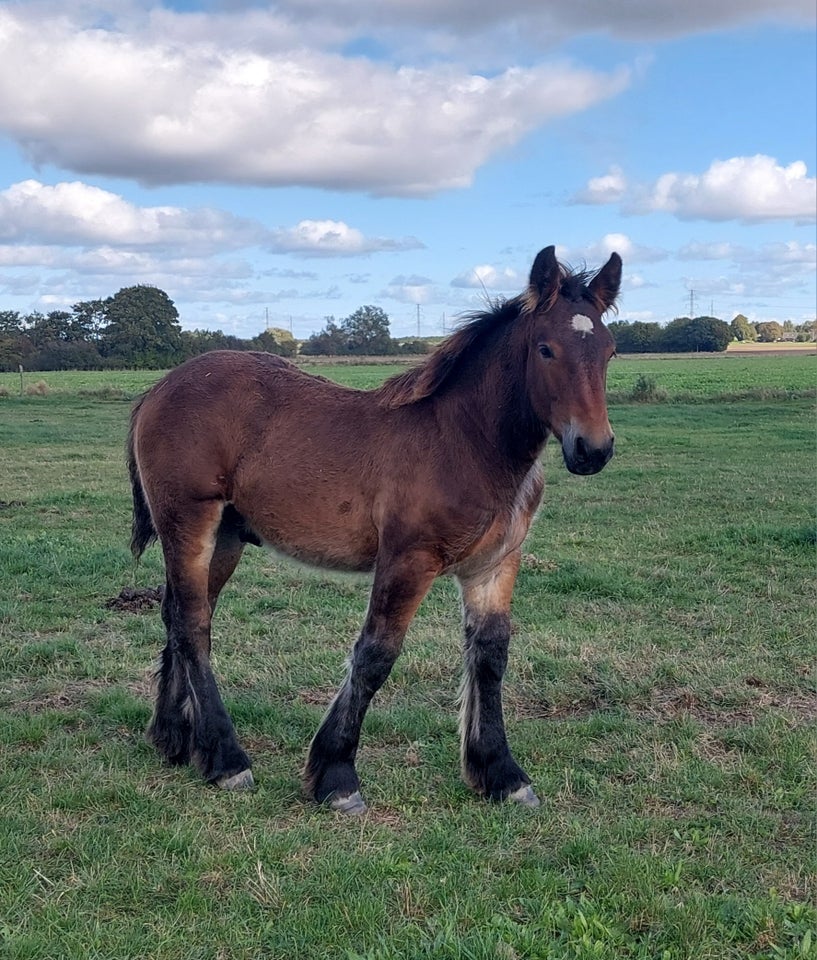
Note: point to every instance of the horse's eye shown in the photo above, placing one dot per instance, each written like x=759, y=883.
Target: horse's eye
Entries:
x=545, y=351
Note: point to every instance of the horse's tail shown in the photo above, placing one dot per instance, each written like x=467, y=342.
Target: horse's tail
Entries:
x=143, y=532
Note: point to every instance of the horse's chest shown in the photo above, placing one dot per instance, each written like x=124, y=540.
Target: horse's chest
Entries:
x=506, y=531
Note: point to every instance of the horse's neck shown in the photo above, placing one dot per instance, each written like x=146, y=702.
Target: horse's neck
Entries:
x=499, y=416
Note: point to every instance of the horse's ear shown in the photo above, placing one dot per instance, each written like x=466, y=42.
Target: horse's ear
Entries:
x=545, y=276
x=604, y=287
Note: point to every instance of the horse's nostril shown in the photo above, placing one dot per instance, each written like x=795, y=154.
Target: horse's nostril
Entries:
x=581, y=448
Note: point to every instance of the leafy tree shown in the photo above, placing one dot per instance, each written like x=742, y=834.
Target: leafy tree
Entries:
x=51, y=328
x=143, y=328
x=329, y=342
x=11, y=323
x=195, y=342
x=636, y=337
x=15, y=346
x=66, y=355
x=88, y=319
x=364, y=332
x=693, y=334
x=276, y=340
x=367, y=332
x=807, y=331
x=742, y=330
x=769, y=332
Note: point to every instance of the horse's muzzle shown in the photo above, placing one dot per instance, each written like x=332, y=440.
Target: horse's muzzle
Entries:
x=583, y=457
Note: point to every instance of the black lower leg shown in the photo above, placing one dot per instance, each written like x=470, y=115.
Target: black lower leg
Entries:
x=190, y=722
x=330, y=767
x=488, y=765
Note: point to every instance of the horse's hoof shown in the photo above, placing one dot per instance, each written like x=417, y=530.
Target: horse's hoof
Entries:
x=525, y=796
x=352, y=806
x=239, y=781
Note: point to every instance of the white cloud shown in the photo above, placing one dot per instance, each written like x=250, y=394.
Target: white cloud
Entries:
x=629, y=251
x=535, y=21
x=748, y=189
x=139, y=105
x=607, y=189
x=79, y=214
x=332, y=238
x=411, y=289
x=488, y=277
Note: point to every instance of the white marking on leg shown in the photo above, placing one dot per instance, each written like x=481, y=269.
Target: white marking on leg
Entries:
x=239, y=781
x=582, y=324
x=524, y=796
x=353, y=805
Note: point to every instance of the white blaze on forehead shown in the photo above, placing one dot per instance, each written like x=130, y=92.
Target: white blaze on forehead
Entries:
x=582, y=324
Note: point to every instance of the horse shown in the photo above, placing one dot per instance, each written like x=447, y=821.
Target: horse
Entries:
x=435, y=472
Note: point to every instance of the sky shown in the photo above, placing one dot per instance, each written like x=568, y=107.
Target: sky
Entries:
x=277, y=164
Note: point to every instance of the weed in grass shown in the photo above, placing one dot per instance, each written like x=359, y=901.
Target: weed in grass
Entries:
x=646, y=390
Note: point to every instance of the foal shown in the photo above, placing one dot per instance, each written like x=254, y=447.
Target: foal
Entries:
x=435, y=472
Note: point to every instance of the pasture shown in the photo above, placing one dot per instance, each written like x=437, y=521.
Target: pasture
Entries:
x=661, y=692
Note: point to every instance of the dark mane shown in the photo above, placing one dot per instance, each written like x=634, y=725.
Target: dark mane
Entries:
x=427, y=378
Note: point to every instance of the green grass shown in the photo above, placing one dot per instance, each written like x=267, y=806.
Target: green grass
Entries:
x=685, y=379
x=661, y=693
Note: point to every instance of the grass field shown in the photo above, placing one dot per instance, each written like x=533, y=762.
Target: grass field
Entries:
x=689, y=378
x=661, y=692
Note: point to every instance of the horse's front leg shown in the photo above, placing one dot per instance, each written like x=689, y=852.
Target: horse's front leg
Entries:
x=487, y=763
x=399, y=587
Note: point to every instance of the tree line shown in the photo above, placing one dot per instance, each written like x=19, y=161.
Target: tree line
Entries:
x=138, y=327
x=703, y=334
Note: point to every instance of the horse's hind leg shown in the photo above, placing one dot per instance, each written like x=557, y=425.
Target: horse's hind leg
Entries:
x=396, y=593
x=189, y=720
x=487, y=763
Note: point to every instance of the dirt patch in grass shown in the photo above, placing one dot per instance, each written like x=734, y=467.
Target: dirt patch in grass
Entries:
x=136, y=599
x=11, y=504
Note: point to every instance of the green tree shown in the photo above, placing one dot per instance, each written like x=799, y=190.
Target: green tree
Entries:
x=49, y=328
x=143, y=329
x=696, y=334
x=367, y=332
x=328, y=342
x=769, y=332
x=276, y=340
x=15, y=346
x=88, y=319
x=742, y=330
x=807, y=331
x=636, y=337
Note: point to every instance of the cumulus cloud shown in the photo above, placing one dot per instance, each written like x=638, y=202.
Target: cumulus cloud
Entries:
x=138, y=105
x=748, y=189
x=410, y=289
x=535, y=22
x=606, y=189
x=743, y=188
x=771, y=267
x=332, y=238
x=116, y=233
x=79, y=214
x=488, y=277
x=624, y=246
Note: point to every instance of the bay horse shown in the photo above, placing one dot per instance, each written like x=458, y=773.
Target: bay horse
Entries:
x=434, y=472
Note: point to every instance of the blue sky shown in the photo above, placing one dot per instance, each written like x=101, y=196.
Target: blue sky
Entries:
x=283, y=163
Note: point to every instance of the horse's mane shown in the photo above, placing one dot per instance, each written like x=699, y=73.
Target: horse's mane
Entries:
x=428, y=377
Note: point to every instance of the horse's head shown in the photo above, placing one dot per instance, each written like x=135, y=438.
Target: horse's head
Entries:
x=569, y=349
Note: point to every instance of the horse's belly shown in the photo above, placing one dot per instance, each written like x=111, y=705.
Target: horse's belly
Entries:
x=335, y=536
